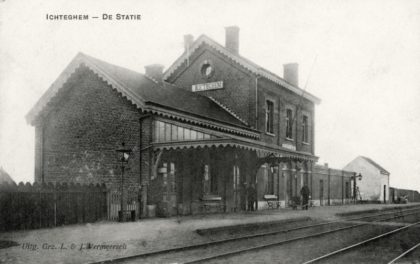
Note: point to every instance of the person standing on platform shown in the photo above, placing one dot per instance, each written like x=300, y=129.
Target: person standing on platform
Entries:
x=252, y=197
x=305, y=196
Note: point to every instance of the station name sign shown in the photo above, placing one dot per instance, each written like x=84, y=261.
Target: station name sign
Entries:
x=207, y=86
x=288, y=146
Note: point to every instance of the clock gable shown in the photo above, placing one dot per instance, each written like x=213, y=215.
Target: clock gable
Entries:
x=212, y=74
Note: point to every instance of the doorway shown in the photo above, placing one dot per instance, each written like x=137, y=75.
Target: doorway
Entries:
x=169, y=188
x=384, y=193
x=236, y=188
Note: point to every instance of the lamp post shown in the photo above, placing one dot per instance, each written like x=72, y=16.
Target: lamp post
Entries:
x=125, y=155
x=354, y=177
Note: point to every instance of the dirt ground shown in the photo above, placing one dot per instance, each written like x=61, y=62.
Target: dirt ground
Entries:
x=104, y=240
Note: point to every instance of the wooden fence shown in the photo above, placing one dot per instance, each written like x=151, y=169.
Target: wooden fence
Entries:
x=27, y=206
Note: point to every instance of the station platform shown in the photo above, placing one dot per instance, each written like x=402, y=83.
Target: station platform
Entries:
x=70, y=244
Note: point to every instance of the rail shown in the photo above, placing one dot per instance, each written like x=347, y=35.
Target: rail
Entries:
x=217, y=242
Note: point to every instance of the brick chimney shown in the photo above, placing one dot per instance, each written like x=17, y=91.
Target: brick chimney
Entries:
x=188, y=41
x=291, y=73
x=232, y=39
x=155, y=71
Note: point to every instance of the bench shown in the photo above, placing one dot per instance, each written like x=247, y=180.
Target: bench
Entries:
x=294, y=202
x=210, y=201
x=272, y=201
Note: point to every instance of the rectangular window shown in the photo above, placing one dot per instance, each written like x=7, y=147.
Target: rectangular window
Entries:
x=289, y=123
x=269, y=117
x=213, y=180
x=156, y=134
x=305, y=129
x=269, y=172
x=180, y=133
x=161, y=136
x=174, y=136
x=167, y=132
x=193, y=135
x=236, y=178
x=187, y=134
x=206, y=178
x=171, y=175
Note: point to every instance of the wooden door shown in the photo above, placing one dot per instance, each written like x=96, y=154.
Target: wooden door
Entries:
x=169, y=192
x=236, y=187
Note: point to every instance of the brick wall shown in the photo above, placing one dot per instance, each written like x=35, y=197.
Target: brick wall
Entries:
x=284, y=99
x=146, y=135
x=82, y=131
x=239, y=94
x=38, y=152
x=239, y=85
x=334, y=181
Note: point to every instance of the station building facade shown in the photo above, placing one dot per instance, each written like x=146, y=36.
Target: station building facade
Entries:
x=200, y=133
x=281, y=112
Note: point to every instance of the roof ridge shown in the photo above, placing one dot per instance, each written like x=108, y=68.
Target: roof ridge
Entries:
x=91, y=63
x=90, y=58
x=230, y=111
x=374, y=163
x=244, y=62
x=128, y=86
x=150, y=78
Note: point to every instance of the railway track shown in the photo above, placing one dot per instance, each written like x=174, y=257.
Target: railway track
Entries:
x=364, y=242
x=396, y=212
x=260, y=245
x=404, y=254
x=228, y=254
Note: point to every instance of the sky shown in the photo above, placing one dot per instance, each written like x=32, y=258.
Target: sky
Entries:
x=362, y=58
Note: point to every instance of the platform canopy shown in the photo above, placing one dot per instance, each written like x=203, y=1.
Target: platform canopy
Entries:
x=265, y=152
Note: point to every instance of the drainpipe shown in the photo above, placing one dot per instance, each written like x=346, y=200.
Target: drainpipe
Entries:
x=312, y=171
x=342, y=187
x=329, y=186
x=296, y=120
x=256, y=101
x=140, y=198
x=389, y=200
x=42, y=152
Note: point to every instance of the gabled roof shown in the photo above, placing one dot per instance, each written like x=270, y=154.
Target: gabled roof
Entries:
x=249, y=65
x=103, y=70
x=379, y=167
x=4, y=176
x=144, y=92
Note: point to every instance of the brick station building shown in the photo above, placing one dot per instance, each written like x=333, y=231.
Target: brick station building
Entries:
x=200, y=132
